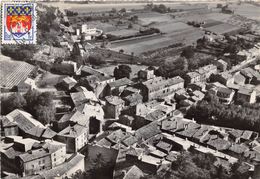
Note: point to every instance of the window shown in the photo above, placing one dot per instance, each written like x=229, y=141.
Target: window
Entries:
x=43, y=161
x=32, y=166
x=54, y=159
x=39, y=162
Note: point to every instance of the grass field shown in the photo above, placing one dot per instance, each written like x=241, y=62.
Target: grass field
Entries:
x=176, y=33
x=13, y=72
x=124, y=32
x=247, y=10
x=84, y=8
x=152, y=17
x=171, y=26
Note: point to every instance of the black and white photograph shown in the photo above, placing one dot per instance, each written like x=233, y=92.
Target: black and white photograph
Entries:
x=130, y=89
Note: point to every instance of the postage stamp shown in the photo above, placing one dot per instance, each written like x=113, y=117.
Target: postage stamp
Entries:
x=19, y=23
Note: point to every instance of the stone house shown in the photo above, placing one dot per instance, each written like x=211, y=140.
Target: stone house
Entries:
x=114, y=106
x=159, y=87
x=75, y=137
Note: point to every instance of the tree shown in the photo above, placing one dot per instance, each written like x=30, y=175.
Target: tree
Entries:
x=96, y=60
x=45, y=99
x=31, y=98
x=45, y=114
x=113, y=10
x=41, y=106
x=232, y=48
x=130, y=26
x=123, y=10
x=122, y=71
x=188, y=52
x=15, y=101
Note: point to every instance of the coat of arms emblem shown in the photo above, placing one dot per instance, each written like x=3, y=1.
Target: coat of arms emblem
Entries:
x=19, y=23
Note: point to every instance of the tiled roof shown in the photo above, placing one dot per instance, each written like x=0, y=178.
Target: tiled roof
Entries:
x=245, y=91
x=134, y=173
x=236, y=133
x=247, y=134
x=117, y=136
x=164, y=146
x=224, y=90
x=202, y=131
x=249, y=72
x=148, y=131
x=24, y=120
x=104, y=142
x=158, y=153
x=11, y=153
x=155, y=115
x=253, y=155
x=239, y=149
x=73, y=131
x=130, y=141
x=90, y=70
x=47, y=149
x=114, y=100
x=172, y=156
x=75, y=116
x=36, y=131
x=48, y=133
x=120, y=82
x=193, y=74
x=83, y=97
x=69, y=80
x=159, y=82
x=219, y=144
x=133, y=98
x=238, y=78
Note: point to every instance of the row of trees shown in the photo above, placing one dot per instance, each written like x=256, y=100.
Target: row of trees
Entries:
x=199, y=166
x=40, y=105
x=211, y=111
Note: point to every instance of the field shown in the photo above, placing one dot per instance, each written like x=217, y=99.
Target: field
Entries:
x=176, y=33
x=223, y=28
x=247, y=10
x=87, y=8
x=152, y=17
x=171, y=27
x=13, y=72
x=123, y=32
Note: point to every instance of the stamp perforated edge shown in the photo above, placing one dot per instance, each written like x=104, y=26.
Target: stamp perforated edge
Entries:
x=34, y=18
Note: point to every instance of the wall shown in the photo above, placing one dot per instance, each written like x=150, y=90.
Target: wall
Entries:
x=81, y=141
x=165, y=91
x=58, y=157
x=37, y=165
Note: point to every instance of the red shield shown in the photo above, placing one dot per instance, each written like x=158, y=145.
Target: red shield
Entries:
x=19, y=25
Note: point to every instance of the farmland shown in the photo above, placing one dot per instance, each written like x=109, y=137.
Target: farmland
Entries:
x=175, y=33
x=171, y=27
x=13, y=72
x=87, y=8
x=247, y=10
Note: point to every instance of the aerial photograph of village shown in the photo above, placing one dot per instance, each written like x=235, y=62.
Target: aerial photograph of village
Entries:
x=134, y=89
